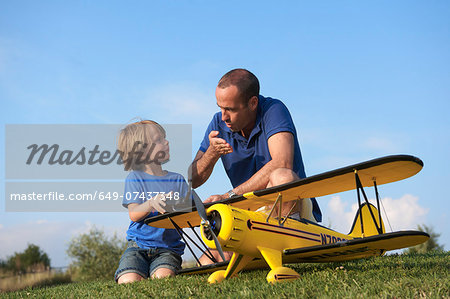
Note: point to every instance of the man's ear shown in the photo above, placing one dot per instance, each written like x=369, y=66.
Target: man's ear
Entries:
x=253, y=103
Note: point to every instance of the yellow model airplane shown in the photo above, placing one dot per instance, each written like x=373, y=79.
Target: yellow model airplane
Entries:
x=258, y=239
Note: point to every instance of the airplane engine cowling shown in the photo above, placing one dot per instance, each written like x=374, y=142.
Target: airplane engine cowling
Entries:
x=229, y=225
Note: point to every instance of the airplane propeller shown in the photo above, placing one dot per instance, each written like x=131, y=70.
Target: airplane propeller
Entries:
x=205, y=221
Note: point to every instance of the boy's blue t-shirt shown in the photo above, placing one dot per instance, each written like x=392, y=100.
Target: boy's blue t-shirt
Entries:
x=140, y=186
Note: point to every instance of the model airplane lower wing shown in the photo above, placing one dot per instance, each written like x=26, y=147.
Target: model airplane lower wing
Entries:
x=335, y=252
x=355, y=248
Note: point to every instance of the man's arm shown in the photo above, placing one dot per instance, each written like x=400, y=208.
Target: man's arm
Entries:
x=281, y=148
x=204, y=162
x=202, y=167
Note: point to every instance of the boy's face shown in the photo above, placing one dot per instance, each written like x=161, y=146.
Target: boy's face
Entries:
x=159, y=146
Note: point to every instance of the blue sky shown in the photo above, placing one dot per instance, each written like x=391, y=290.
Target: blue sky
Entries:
x=362, y=80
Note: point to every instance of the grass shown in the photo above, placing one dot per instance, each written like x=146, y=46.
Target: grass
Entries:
x=399, y=276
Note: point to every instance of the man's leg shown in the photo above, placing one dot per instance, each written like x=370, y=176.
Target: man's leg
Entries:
x=204, y=260
x=304, y=206
x=281, y=176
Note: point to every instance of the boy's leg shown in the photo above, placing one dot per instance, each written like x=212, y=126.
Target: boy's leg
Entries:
x=129, y=277
x=163, y=272
x=133, y=265
x=164, y=263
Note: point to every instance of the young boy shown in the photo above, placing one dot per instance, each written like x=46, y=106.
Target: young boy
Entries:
x=152, y=252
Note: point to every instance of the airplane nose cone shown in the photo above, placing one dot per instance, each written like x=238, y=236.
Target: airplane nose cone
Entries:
x=216, y=223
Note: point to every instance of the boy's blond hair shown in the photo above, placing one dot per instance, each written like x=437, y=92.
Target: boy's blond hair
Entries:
x=134, y=143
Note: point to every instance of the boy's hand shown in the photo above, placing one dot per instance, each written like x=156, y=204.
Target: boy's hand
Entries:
x=158, y=202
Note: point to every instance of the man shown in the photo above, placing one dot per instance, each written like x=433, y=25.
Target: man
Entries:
x=256, y=140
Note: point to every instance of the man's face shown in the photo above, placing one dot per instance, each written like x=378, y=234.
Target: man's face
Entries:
x=236, y=114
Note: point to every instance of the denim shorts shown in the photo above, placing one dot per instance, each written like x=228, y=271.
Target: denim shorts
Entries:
x=146, y=261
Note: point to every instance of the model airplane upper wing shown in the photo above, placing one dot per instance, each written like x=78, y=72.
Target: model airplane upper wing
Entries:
x=382, y=170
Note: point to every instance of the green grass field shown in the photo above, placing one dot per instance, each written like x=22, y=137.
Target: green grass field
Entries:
x=395, y=276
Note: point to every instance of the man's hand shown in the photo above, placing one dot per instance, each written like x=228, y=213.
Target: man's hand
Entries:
x=204, y=162
x=216, y=197
x=219, y=145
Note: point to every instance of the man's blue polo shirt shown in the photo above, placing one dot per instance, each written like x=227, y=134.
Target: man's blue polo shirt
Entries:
x=250, y=155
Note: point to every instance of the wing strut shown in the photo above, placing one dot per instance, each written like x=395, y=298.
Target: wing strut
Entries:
x=360, y=189
x=278, y=202
x=378, y=199
x=183, y=234
x=209, y=254
x=289, y=213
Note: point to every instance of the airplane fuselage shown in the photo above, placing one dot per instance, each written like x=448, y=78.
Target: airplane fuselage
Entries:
x=245, y=232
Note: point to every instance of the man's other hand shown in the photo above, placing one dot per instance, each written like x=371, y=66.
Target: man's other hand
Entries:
x=216, y=197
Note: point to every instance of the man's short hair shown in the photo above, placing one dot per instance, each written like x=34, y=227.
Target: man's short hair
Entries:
x=245, y=81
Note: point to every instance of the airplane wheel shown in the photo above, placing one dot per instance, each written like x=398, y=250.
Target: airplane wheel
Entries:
x=217, y=276
x=282, y=274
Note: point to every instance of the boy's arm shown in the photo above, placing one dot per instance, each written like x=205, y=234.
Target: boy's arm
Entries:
x=138, y=212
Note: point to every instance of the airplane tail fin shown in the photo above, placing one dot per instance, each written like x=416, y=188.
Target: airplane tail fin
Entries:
x=367, y=222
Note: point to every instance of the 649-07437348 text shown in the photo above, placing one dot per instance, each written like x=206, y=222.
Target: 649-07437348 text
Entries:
x=97, y=195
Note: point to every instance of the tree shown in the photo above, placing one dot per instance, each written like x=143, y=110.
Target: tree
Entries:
x=2, y=264
x=431, y=244
x=95, y=256
x=33, y=259
x=33, y=256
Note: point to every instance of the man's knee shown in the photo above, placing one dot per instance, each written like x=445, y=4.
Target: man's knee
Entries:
x=281, y=176
x=205, y=260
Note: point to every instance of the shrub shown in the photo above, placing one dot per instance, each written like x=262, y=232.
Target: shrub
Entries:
x=431, y=244
x=95, y=256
